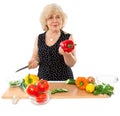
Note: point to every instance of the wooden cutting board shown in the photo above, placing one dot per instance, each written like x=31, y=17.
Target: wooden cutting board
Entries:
x=73, y=92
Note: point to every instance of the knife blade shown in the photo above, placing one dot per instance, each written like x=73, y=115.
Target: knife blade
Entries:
x=22, y=68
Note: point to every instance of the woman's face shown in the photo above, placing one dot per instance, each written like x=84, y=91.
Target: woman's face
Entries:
x=54, y=22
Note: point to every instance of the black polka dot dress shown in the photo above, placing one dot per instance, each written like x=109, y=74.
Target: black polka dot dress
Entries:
x=52, y=66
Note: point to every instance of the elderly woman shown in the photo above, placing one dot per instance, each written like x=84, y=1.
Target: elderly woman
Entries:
x=54, y=64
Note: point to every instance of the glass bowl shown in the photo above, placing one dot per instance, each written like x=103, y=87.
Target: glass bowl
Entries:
x=14, y=80
x=41, y=99
x=107, y=79
x=14, y=83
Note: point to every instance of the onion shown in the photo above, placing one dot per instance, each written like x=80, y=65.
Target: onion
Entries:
x=91, y=79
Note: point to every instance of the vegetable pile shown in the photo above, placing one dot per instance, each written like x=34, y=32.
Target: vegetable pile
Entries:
x=36, y=89
x=89, y=85
x=39, y=91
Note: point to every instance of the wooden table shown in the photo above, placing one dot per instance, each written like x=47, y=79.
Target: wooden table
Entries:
x=73, y=92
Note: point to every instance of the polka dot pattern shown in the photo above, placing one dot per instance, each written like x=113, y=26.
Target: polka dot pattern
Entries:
x=52, y=66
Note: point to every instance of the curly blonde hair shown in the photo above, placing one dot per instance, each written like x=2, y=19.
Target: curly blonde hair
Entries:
x=49, y=10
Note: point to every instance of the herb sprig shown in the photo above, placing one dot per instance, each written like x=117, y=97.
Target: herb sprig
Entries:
x=104, y=89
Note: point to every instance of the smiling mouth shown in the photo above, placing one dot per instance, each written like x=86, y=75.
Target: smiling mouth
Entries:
x=55, y=25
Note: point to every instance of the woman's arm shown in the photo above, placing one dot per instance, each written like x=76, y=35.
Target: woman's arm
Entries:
x=69, y=58
x=33, y=63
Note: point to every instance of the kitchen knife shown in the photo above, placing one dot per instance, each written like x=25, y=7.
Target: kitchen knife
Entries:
x=22, y=68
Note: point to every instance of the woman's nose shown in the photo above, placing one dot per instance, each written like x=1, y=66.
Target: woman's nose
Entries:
x=54, y=19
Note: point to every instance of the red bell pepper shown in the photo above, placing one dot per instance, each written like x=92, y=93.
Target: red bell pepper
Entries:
x=67, y=45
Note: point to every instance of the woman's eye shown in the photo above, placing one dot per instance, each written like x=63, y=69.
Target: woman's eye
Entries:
x=58, y=17
x=50, y=17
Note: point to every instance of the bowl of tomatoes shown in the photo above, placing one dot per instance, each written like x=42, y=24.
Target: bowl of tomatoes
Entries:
x=41, y=99
x=38, y=93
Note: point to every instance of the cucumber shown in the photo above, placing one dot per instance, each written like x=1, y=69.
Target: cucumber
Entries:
x=70, y=81
x=58, y=90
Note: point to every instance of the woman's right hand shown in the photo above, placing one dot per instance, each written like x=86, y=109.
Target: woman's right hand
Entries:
x=33, y=64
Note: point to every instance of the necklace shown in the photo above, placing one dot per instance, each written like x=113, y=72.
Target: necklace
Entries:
x=51, y=39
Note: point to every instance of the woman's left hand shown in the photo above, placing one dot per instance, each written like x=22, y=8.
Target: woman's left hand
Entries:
x=61, y=51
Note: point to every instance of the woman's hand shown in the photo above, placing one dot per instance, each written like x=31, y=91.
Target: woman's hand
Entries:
x=69, y=58
x=61, y=51
x=33, y=64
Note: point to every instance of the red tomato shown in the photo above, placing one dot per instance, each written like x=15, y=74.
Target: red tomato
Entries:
x=43, y=85
x=32, y=90
x=41, y=98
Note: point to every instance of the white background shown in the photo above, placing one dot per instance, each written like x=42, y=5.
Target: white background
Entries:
x=95, y=25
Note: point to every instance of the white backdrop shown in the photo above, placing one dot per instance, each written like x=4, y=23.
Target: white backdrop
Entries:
x=95, y=25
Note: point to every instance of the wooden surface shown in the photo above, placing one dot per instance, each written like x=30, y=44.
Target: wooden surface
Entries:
x=73, y=92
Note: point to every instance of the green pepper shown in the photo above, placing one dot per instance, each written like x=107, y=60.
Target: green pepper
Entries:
x=67, y=45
